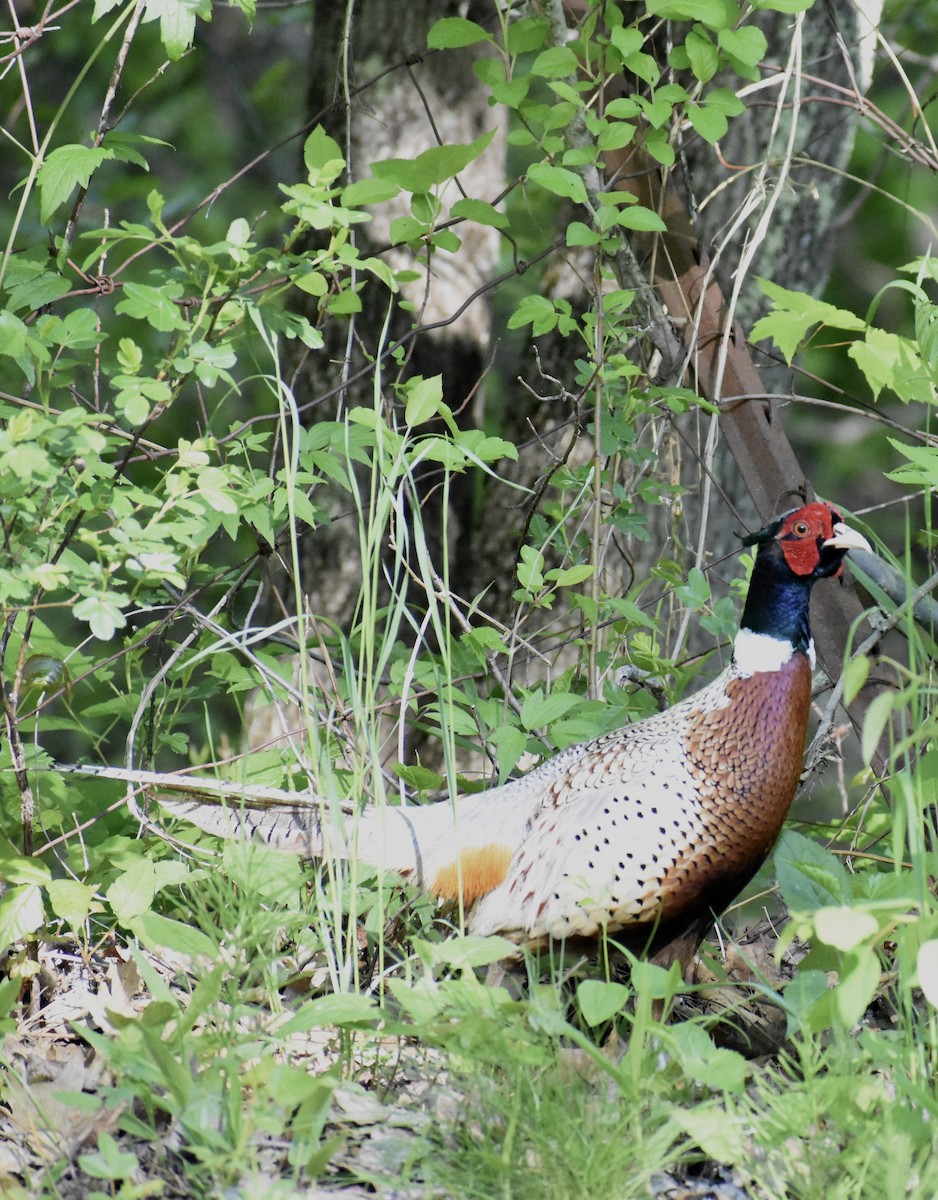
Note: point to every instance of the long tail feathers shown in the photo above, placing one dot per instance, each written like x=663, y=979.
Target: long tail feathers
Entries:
x=292, y=825
x=288, y=821
x=297, y=822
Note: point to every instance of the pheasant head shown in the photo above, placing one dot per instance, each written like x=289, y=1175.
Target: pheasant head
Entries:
x=795, y=551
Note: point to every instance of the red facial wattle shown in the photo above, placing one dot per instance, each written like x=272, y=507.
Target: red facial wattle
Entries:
x=803, y=535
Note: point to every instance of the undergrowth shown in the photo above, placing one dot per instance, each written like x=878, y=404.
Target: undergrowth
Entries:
x=184, y=418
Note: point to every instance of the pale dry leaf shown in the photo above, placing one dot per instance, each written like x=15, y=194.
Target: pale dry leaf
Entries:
x=36, y=1108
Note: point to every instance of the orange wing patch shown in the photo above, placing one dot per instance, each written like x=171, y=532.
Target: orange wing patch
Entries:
x=477, y=872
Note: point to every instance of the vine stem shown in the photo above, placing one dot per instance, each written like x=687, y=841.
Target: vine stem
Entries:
x=597, y=518
x=104, y=119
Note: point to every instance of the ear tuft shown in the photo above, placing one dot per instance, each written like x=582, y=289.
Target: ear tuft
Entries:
x=766, y=535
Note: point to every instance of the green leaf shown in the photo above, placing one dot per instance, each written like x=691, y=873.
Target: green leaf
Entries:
x=443, y=450
x=123, y=146
x=709, y=122
x=627, y=40
x=702, y=56
x=531, y=569
x=859, y=981
x=923, y=468
x=483, y=640
x=696, y=592
x=20, y=913
x=30, y=286
x=466, y=953
x=9, y=996
x=539, y=710
x=423, y=399
x=13, y=334
x=571, y=576
x=819, y=311
x=420, y=778
x=131, y=894
x=177, y=22
x=654, y=981
x=480, y=212
x=794, y=314
x=559, y=181
x=810, y=876
x=407, y=229
x=510, y=743
x=70, y=900
x=368, y=191
x=273, y=875
x=890, y=361
x=803, y=996
x=64, y=169
x=433, y=166
x=644, y=67
x=579, y=234
x=20, y=868
x=722, y=622
x=843, y=927
x=103, y=613
x=452, y=33
x=239, y=235
x=135, y=396
x=745, y=46
x=720, y=1136
x=110, y=1162
x=446, y=239
x=712, y=13
x=537, y=311
x=624, y=108
x=854, y=677
x=209, y=363
x=215, y=487
x=322, y=155
x=342, y=1008
x=705, y=1063
x=76, y=329
x=636, y=216
x=874, y=724
x=614, y=135
x=558, y=62
x=658, y=111
x=170, y=871
x=926, y=334
x=484, y=448
x=530, y=33
x=599, y=1001
x=158, y=932
x=659, y=147
x=154, y=305
x=782, y=6
x=726, y=100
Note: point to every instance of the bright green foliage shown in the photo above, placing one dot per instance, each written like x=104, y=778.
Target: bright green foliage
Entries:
x=905, y=366
x=161, y=453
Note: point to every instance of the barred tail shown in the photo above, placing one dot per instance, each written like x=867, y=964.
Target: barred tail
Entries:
x=302, y=823
x=283, y=821
x=297, y=822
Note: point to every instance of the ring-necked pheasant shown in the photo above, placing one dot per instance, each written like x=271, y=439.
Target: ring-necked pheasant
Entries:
x=646, y=832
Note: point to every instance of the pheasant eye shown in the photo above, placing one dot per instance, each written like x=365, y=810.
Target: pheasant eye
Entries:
x=800, y=528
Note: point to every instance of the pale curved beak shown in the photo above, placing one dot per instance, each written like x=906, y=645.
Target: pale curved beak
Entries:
x=846, y=538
